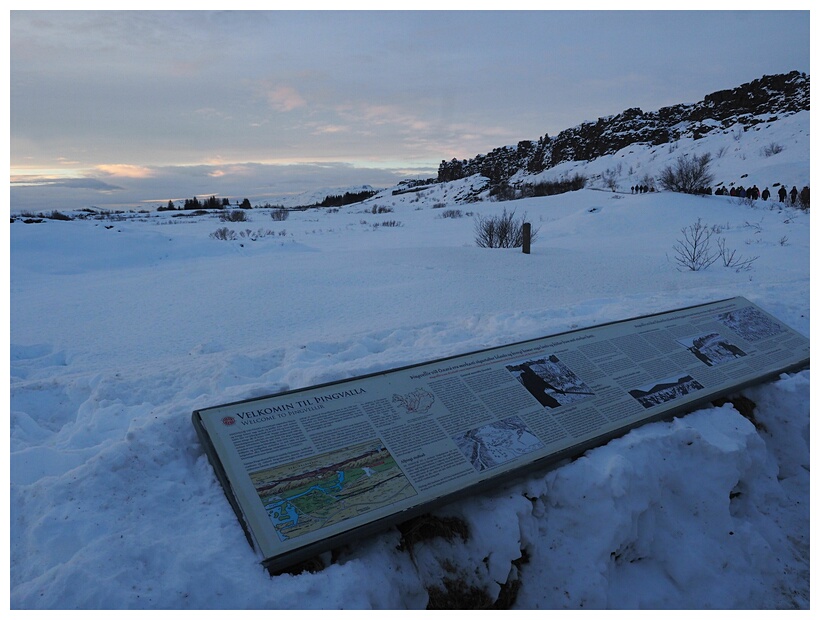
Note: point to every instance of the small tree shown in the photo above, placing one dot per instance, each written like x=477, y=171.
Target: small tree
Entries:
x=689, y=174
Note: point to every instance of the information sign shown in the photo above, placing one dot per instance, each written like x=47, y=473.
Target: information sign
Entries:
x=309, y=469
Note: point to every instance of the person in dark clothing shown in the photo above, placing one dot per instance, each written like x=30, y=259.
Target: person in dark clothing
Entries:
x=781, y=193
x=793, y=194
x=765, y=194
x=804, y=197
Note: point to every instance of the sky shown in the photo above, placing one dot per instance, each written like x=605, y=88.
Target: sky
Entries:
x=128, y=109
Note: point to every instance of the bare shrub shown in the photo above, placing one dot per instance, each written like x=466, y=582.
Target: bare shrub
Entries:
x=694, y=251
x=501, y=231
x=57, y=215
x=279, y=214
x=224, y=234
x=610, y=179
x=234, y=216
x=689, y=174
x=756, y=227
x=771, y=149
x=253, y=235
x=731, y=260
x=452, y=213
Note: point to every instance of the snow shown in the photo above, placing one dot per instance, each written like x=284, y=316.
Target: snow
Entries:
x=121, y=328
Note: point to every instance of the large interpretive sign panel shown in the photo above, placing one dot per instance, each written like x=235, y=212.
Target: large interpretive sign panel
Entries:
x=308, y=469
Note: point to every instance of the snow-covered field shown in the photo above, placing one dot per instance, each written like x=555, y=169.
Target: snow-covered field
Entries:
x=120, y=329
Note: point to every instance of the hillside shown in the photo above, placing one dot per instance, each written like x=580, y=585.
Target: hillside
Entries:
x=735, y=110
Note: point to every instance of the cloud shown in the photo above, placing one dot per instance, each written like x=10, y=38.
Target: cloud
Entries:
x=125, y=170
x=383, y=114
x=325, y=129
x=285, y=98
x=23, y=180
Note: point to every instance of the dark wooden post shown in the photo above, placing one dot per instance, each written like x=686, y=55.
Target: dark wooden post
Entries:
x=526, y=234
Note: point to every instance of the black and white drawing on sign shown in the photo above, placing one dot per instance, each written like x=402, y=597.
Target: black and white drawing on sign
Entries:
x=712, y=349
x=418, y=401
x=664, y=391
x=550, y=381
x=750, y=324
x=497, y=443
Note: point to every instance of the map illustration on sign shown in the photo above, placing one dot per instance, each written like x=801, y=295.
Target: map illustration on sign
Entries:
x=418, y=401
x=324, y=489
x=497, y=443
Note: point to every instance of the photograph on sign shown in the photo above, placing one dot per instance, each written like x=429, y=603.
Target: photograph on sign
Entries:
x=550, y=381
x=750, y=324
x=665, y=391
x=712, y=349
x=497, y=443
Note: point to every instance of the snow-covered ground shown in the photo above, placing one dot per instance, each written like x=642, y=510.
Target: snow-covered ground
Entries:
x=121, y=328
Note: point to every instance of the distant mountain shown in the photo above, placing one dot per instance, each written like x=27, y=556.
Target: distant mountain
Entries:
x=760, y=101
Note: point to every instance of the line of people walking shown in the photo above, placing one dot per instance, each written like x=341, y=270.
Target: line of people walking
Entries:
x=754, y=193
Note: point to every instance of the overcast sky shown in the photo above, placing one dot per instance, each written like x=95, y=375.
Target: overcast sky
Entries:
x=124, y=107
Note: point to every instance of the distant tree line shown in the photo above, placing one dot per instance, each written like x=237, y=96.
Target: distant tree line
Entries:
x=348, y=198
x=194, y=204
